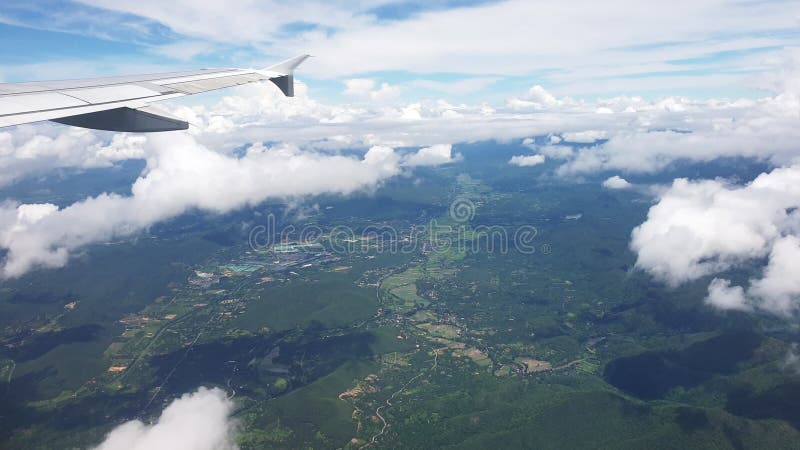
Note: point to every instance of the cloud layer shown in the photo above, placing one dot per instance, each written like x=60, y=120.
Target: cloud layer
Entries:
x=626, y=135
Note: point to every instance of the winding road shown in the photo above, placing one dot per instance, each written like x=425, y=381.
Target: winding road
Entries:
x=388, y=403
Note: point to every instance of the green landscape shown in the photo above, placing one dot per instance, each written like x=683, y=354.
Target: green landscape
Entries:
x=422, y=328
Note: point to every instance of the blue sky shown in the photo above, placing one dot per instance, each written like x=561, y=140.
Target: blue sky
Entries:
x=468, y=51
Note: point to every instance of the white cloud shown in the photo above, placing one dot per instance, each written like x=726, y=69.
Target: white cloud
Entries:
x=365, y=87
x=385, y=92
x=642, y=136
x=196, y=421
x=657, y=135
x=706, y=227
x=551, y=149
x=432, y=156
x=540, y=96
x=359, y=86
x=777, y=291
x=34, y=150
x=537, y=97
x=557, y=151
x=616, y=182
x=584, y=137
x=43, y=235
x=724, y=296
x=526, y=160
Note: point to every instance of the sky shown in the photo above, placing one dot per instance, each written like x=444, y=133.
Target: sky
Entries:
x=467, y=50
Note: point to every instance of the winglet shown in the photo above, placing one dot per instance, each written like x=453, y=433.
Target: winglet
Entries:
x=282, y=74
x=287, y=67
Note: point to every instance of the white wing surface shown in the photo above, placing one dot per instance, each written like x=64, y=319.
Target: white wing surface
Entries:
x=121, y=103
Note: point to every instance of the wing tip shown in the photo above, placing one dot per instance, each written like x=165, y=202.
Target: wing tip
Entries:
x=288, y=66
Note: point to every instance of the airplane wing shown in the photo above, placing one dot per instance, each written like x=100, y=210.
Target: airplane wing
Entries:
x=122, y=103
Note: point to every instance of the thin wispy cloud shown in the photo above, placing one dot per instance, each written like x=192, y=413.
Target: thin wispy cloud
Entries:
x=577, y=49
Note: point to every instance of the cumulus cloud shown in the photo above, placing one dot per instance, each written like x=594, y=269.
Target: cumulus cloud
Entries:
x=181, y=175
x=777, y=291
x=196, y=421
x=358, y=86
x=33, y=150
x=526, y=160
x=724, y=296
x=432, y=156
x=365, y=87
x=385, y=92
x=699, y=228
x=616, y=182
x=538, y=98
